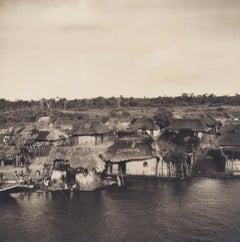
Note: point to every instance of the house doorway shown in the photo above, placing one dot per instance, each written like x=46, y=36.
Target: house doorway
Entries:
x=122, y=167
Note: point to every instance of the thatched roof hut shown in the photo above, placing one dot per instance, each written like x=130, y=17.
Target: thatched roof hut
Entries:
x=210, y=121
x=143, y=124
x=94, y=128
x=230, y=135
x=114, y=124
x=32, y=132
x=78, y=157
x=8, y=152
x=130, y=147
x=196, y=125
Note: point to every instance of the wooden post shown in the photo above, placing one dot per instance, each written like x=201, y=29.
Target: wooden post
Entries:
x=182, y=168
x=162, y=168
x=157, y=166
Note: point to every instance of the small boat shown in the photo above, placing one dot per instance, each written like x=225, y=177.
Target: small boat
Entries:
x=6, y=188
x=29, y=186
x=21, y=184
x=26, y=186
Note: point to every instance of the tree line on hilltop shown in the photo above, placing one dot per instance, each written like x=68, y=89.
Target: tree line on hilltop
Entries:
x=115, y=102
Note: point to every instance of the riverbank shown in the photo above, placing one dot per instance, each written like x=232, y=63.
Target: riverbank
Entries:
x=9, y=171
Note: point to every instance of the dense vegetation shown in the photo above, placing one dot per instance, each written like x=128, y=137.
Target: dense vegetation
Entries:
x=75, y=111
x=101, y=102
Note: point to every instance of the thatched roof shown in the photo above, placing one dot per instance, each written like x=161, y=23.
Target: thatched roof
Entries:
x=34, y=132
x=232, y=127
x=230, y=135
x=94, y=128
x=45, y=119
x=232, y=153
x=114, y=124
x=191, y=124
x=130, y=147
x=8, y=152
x=144, y=124
x=210, y=121
x=78, y=157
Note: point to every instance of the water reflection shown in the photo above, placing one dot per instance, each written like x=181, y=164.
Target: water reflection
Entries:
x=7, y=201
x=201, y=209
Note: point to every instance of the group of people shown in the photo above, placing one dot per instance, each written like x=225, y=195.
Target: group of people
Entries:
x=22, y=158
x=21, y=177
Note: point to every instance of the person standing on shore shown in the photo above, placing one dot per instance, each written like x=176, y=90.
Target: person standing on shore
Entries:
x=21, y=176
x=16, y=176
x=1, y=177
x=38, y=174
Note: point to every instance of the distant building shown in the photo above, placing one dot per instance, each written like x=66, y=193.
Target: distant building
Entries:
x=39, y=138
x=198, y=126
x=91, y=134
x=145, y=125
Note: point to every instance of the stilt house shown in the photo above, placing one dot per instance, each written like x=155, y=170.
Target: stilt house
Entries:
x=86, y=163
x=132, y=154
x=229, y=143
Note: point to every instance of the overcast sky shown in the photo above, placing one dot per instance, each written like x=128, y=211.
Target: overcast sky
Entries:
x=79, y=48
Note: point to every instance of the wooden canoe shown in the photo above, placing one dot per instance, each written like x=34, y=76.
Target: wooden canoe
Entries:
x=6, y=188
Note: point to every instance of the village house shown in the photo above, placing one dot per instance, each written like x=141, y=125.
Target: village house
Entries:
x=84, y=161
x=229, y=143
x=145, y=125
x=136, y=155
x=206, y=128
x=39, y=138
x=8, y=154
x=91, y=134
x=88, y=167
x=131, y=154
x=6, y=135
x=114, y=126
x=55, y=174
x=197, y=126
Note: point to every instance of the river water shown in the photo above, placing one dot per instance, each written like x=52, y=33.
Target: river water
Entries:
x=196, y=210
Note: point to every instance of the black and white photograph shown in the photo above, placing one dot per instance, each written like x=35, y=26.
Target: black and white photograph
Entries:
x=119, y=120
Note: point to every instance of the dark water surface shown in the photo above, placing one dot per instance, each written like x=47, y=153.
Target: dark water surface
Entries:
x=196, y=210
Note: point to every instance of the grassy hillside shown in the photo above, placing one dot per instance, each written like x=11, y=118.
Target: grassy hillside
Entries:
x=23, y=115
